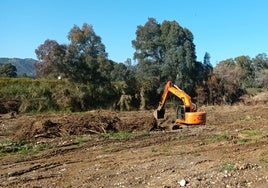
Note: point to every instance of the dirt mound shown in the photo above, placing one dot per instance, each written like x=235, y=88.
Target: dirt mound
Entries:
x=94, y=122
x=138, y=121
x=43, y=128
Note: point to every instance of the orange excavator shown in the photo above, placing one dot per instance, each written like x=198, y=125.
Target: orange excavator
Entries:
x=187, y=113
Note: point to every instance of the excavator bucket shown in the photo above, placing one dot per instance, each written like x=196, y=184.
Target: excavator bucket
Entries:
x=159, y=114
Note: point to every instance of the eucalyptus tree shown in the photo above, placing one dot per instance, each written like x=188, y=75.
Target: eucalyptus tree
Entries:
x=247, y=77
x=51, y=56
x=260, y=64
x=164, y=52
x=84, y=61
x=149, y=56
x=179, y=55
x=86, y=53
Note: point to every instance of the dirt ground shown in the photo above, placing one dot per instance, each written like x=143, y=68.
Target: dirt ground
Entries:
x=126, y=149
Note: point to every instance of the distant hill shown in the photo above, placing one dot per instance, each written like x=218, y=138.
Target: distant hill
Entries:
x=24, y=66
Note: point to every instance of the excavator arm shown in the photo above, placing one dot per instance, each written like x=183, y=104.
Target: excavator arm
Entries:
x=188, y=114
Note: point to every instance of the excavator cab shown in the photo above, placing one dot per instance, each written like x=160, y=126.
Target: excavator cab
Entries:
x=180, y=112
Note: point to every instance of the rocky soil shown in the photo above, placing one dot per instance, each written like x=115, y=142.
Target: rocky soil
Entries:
x=126, y=149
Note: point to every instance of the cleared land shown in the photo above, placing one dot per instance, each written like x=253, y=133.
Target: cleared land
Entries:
x=123, y=149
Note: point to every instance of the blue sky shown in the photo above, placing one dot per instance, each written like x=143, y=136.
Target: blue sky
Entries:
x=223, y=28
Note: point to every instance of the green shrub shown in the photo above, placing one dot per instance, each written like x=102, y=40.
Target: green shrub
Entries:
x=228, y=167
x=221, y=136
x=55, y=95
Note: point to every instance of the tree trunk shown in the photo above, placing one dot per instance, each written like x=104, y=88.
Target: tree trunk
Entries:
x=143, y=100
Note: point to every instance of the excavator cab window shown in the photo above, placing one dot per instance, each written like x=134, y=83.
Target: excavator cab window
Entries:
x=180, y=112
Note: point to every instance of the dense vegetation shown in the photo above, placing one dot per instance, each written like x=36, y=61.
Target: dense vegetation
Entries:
x=79, y=76
x=31, y=95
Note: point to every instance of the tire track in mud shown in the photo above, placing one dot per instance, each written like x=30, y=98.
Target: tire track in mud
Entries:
x=189, y=138
x=43, y=162
x=33, y=168
x=24, y=174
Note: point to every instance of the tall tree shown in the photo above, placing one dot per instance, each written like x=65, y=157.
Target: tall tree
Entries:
x=164, y=52
x=247, y=77
x=83, y=60
x=169, y=47
x=85, y=54
x=207, y=60
x=149, y=56
x=50, y=56
x=260, y=62
x=147, y=43
x=260, y=65
x=207, y=66
x=179, y=51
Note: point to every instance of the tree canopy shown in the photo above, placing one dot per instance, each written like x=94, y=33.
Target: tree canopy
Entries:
x=83, y=60
x=168, y=50
x=163, y=52
x=8, y=70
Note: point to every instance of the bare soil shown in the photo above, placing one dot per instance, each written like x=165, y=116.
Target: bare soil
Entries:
x=126, y=149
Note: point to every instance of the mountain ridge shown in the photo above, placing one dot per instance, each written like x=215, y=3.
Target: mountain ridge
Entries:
x=25, y=67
